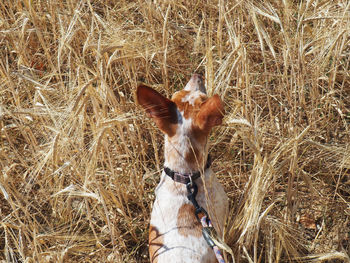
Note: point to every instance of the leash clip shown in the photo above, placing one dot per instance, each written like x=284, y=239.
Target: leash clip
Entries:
x=207, y=233
x=192, y=190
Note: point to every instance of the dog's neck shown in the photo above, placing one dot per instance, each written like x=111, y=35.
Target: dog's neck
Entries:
x=184, y=154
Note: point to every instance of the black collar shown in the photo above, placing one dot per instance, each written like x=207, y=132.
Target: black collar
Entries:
x=186, y=178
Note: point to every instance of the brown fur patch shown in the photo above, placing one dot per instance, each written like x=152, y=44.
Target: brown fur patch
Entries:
x=189, y=110
x=155, y=242
x=194, y=156
x=187, y=222
x=200, y=135
x=177, y=98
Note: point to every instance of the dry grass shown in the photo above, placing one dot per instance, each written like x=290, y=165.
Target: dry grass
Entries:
x=80, y=161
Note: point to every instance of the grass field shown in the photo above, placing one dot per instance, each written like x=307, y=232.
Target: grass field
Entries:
x=80, y=160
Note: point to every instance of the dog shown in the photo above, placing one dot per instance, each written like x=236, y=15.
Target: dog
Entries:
x=175, y=233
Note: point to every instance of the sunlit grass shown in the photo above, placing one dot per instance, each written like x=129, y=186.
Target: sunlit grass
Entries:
x=80, y=160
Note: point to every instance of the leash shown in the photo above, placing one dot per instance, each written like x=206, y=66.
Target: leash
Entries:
x=208, y=229
x=202, y=216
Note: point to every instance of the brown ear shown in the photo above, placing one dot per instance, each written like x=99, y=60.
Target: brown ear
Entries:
x=161, y=109
x=210, y=114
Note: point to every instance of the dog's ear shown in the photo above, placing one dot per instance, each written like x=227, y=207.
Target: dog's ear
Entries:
x=162, y=110
x=210, y=114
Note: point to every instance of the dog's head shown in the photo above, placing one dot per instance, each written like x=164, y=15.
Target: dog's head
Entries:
x=186, y=119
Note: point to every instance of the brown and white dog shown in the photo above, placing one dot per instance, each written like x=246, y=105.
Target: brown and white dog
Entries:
x=175, y=235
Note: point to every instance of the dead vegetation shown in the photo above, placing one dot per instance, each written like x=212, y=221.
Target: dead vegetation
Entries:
x=80, y=161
